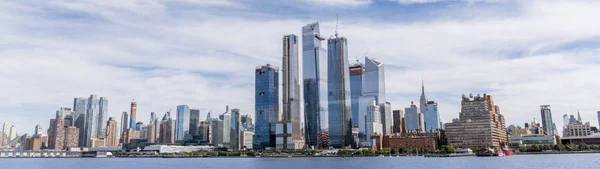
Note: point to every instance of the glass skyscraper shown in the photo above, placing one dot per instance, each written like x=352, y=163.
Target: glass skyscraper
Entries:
x=133, y=116
x=411, y=118
x=547, y=123
x=338, y=90
x=95, y=118
x=266, y=100
x=356, y=79
x=315, y=83
x=79, y=118
x=432, y=116
x=194, y=122
x=291, y=125
x=235, y=125
x=182, y=123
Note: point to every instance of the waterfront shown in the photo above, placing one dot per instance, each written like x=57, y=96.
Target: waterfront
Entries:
x=579, y=161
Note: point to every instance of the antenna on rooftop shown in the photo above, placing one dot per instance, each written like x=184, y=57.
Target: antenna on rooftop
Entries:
x=337, y=18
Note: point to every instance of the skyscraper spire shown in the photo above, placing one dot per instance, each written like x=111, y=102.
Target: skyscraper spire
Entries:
x=337, y=18
x=422, y=88
x=579, y=117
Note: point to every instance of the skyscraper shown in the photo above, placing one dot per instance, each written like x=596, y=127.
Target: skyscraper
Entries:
x=96, y=115
x=547, y=123
x=226, y=127
x=356, y=79
x=182, y=127
x=386, y=118
x=124, y=125
x=432, y=116
x=112, y=132
x=373, y=120
x=57, y=132
x=167, y=130
x=411, y=118
x=423, y=110
x=598, y=118
x=314, y=62
x=71, y=137
x=156, y=123
x=133, y=115
x=194, y=122
x=150, y=130
x=479, y=125
x=338, y=89
x=235, y=129
x=79, y=117
x=292, y=128
x=266, y=100
x=38, y=130
x=398, y=121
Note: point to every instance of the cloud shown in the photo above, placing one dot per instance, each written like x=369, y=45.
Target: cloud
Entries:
x=337, y=3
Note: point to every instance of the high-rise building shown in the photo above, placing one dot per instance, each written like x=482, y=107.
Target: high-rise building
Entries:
x=124, y=125
x=235, y=129
x=204, y=132
x=96, y=115
x=374, y=80
x=156, y=124
x=79, y=117
x=182, y=128
x=356, y=80
x=547, y=123
x=150, y=130
x=38, y=130
x=432, y=116
x=314, y=62
x=167, y=130
x=386, y=118
x=423, y=108
x=71, y=137
x=112, y=132
x=246, y=121
x=194, y=122
x=129, y=135
x=57, y=132
x=225, y=129
x=565, y=120
x=246, y=139
x=479, y=125
x=217, y=133
x=4, y=137
x=338, y=89
x=291, y=126
x=398, y=121
x=598, y=118
x=411, y=118
x=67, y=114
x=13, y=132
x=133, y=115
x=266, y=100
x=34, y=143
x=373, y=120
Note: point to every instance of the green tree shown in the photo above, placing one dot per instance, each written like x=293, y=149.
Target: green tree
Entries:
x=547, y=147
x=535, y=148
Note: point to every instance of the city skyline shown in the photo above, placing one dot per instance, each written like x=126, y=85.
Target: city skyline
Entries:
x=158, y=87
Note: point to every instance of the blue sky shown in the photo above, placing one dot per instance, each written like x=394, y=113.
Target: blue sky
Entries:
x=203, y=53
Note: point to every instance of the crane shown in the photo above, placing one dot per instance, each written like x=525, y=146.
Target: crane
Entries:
x=363, y=56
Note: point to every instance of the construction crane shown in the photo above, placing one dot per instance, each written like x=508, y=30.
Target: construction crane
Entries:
x=363, y=56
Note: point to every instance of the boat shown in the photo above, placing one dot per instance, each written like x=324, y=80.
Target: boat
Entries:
x=507, y=152
x=485, y=152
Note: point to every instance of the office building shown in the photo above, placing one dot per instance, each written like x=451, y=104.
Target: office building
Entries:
x=356, y=79
x=373, y=121
x=479, y=126
x=246, y=121
x=34, y=144
x=38, y=130
x=290, y=126
x=547, y=123
x=150, y=130
x=217, y=133
x=130, y=134
x=386, y=118
x=124, y=125
x=71, y=137
x=422, y=110
x=194, y=122
x=246, y=139
x=411, y=118
x=204, y=132
x=598, y=118
x=266, y=100
x=577, y=130
x=99, y=142
x=112, y=132
x=79, y=117
x=432, y=116
x=398, y=121
x=56, y=132
x=226, y=127
x=96, y=114
x=338, y=89
x=182, y=128
x=133, y=115
x=167, y=130
x=235, y=129
x=314, y=62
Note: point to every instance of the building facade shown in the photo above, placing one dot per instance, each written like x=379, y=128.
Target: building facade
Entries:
x=432, y=116
x=124, y=125
x=167, y=130
x=112, y=132
x=411, y=118
x=96, y=115
x=386, y=117
x=182, y=127
x=356, y=79
x=292, y=135
x=398, y=121
x=314, y=62
x=71, y=137
x=194, y=123
x=235, y=130
x=479, y=125
x=373, y=121
x=266, y=106
x=423, y=107
x=133, y=115
x=338, y=89
x=547, y=123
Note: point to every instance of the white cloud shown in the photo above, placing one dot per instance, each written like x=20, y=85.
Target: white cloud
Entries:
x=338, y=3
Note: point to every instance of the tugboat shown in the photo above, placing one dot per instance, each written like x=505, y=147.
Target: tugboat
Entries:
x=506, y=151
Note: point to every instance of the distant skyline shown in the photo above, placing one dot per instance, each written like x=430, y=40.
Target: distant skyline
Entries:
x=203, y=54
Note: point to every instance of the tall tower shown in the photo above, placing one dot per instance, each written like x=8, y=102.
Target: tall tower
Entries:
x=547, y=123
x=314, y=62
x=112, y=132
x=356, y=81
x=133, y=115
x=338, y=89
x=79, y=118
x=38, y=130
x=182, y=127
x=291, y=126
x=124, y=125
x=423, y=106
x=266, y=104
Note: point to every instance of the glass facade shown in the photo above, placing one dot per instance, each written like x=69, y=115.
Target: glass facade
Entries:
x=374, y=80
x=235, y=129
x=547, y=123
x=411, y=118
x=266, y=100
x=291, y=96
x=314, y=82
x=356, y=80
x=194, y=122
x=338, y=90
x=182, y=125
x=95, y=118
x=432, y=116
x=79, y=117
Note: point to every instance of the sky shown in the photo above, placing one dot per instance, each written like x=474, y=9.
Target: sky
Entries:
x=164, y=53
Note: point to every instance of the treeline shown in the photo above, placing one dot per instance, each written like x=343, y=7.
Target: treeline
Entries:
x=559, y=147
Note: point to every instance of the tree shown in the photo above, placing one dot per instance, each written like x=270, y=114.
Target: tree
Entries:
x=535, y=148
x=547, y=147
